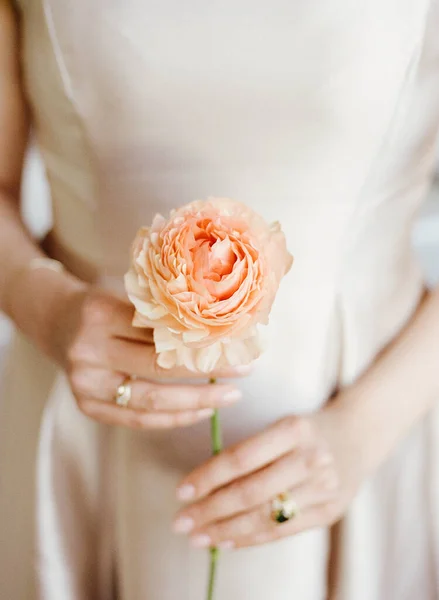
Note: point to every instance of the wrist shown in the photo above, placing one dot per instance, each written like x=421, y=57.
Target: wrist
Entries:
x=371, y=422
x=399, y=387
x=355, y=422
x=35, y=298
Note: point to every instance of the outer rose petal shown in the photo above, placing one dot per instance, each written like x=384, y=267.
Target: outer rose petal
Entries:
x=141, y=298
x=151, y=311
x=242, y=352
x=279, y=259
x=164, y=340
x=206, y=359
x=167, y=360
x=194, y=335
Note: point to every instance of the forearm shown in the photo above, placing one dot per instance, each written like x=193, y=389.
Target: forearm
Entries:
x=16, y=246
x=29, y=297
x=399, y=388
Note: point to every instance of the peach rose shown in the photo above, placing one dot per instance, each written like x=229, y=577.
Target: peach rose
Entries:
x=203, y=280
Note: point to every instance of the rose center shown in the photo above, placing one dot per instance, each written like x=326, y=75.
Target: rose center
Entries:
x=213, y=257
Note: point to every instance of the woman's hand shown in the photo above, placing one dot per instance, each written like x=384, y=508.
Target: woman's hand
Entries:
x=98, y=348
x=314, y=458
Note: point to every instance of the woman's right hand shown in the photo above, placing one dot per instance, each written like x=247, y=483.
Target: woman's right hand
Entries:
x=98, y=348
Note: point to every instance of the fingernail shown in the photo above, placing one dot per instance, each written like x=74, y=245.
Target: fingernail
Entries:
x=226, y=545
x=186, y=492
x=201, y=541
x=183, y=525
x=232, y=396
x=205, y=412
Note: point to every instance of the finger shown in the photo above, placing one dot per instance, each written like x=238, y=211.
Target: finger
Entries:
x=111, y=414
x=251, y=491
x=141, y=360
x=242, y=459
x=152, y=396
x=316, y=516
x=117, y=316
x=246, y=528
x=309, y=519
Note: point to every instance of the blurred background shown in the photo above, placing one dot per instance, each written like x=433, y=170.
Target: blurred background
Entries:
x=36, y=212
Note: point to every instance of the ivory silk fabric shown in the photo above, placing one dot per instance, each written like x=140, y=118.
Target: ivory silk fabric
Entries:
x=320, y=114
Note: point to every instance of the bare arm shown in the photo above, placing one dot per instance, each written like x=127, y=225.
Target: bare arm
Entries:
x=17, y=248
x=400, y=387
x=13, y=140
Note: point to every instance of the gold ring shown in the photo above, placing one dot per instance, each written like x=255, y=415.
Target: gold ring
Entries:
x=284, y=508
x=124, y=392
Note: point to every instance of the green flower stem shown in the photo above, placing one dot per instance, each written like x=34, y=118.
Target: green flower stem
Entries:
x=214, y=553
x=215, y=427
x=216, y=449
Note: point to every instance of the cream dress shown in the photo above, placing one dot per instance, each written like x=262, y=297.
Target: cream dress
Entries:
x=320, y=114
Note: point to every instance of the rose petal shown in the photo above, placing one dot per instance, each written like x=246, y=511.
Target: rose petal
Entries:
x=167, y=360
x=242, y=352
x=164, y=340
x=207, y=358
x=194, y=335
x=150, y=310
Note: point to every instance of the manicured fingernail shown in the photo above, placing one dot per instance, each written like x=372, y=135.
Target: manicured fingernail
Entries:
x=231, y=397
x=226, y=545
x=201, y=541
x=186, y=492
x=183, y=525
x=205, y=412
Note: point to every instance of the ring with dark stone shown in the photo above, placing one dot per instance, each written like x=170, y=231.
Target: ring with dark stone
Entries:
x=283, y=508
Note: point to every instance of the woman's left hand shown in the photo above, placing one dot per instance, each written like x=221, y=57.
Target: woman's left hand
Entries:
x=315, y=458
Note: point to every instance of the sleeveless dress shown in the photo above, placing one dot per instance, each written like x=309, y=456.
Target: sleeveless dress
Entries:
x=320, y=114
